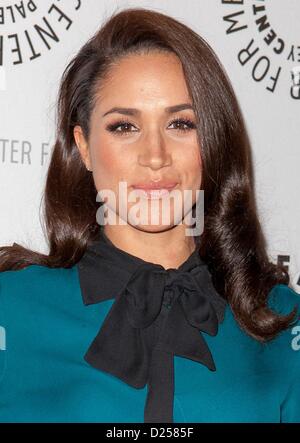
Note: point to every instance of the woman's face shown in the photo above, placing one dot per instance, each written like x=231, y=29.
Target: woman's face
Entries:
x=144, y=144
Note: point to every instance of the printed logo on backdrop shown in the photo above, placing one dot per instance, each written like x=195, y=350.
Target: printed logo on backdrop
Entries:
x=29, y=29
x=271, y=41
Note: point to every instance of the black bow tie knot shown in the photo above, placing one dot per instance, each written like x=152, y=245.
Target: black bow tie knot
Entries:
x=149, y=288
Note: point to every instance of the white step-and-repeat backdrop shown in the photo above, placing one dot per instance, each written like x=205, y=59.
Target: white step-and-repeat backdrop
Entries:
x=258, y=42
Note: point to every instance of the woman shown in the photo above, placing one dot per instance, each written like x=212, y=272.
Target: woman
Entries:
x=133, y=322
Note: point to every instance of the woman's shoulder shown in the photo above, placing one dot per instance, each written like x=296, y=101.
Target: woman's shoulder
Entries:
x=35, y=282
x=282, y=352
x=33, y=273
x=282, y=298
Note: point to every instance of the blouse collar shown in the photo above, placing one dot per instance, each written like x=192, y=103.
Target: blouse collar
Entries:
x=157, y=313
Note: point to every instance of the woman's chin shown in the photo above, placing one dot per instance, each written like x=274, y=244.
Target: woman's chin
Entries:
x=152, y=228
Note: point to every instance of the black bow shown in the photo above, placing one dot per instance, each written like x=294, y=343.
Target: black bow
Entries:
x=157, y=314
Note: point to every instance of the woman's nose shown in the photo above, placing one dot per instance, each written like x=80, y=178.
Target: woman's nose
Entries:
x=154, y=152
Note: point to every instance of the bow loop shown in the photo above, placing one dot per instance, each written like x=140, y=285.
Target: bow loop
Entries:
x=188, y=288
x=198, y=312
x=196, y=304
x=143, y=295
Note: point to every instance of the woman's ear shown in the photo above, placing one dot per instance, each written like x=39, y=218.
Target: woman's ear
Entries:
x=82, y=145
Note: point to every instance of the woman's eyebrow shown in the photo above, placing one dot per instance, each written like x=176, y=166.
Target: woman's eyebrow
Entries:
x=134, y=111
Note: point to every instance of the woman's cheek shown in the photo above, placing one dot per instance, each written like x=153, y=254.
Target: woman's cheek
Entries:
x=104, y=165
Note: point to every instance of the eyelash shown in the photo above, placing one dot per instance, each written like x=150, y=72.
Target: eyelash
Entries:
x=112, y=127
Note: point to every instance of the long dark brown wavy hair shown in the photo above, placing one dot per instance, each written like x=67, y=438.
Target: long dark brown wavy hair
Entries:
x=232, y=243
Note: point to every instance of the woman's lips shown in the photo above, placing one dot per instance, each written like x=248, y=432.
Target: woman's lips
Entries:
x=154, y=191
x=155, y=185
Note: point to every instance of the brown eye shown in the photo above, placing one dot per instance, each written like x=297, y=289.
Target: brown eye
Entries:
x=123, y=124
x=183, y=124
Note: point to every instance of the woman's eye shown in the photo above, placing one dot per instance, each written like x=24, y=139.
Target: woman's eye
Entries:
x=124, y=127
x=114, y=127
x=183, y=124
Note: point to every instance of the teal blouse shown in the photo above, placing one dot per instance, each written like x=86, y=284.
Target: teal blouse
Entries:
x=45, y=329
